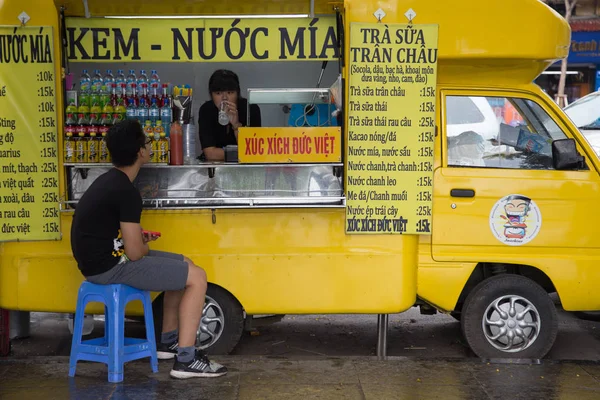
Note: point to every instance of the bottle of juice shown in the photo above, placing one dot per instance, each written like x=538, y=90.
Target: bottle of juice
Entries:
x=105, y=123
x=81, y=146
x=120, y=111
x=93, y=148
x=159, y=132
x=84, y=109
x=69, y=147
x=108, y=108
x=104, y=96
x=95, y=106
x=176, y=138
x=71, y=108
x=162, y=148
x=149, y=131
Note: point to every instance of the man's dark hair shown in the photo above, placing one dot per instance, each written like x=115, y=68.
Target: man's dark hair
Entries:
x=224, y=80
x=124, y=140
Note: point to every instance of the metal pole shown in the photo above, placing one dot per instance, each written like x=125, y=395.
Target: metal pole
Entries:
x=382, y=325
x=312, y=9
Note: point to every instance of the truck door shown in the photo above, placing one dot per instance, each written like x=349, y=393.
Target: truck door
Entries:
x=497, y=197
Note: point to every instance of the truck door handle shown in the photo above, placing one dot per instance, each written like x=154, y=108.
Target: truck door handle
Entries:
x=462, y=193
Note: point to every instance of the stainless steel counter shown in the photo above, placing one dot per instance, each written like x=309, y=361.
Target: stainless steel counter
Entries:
x=225, y=185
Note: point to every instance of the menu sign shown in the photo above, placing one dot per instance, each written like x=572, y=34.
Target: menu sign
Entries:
x=391, y=127
x=28, y=135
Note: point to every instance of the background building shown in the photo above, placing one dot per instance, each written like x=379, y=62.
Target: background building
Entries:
x=583, y=71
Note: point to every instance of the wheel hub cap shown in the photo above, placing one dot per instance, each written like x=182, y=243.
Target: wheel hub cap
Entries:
x=511, y=323
x=212, y=324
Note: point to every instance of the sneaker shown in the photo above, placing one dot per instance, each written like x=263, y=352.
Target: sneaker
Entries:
x=199, y=367
x=166, y=351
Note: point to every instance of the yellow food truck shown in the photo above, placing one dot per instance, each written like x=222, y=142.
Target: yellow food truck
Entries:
x=404, y=158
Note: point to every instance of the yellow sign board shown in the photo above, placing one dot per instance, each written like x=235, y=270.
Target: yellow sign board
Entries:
x=290, y=145
x=206, y=40
x=391, y=126
x=28, y=135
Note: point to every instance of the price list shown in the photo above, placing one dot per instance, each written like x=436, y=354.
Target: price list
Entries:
x=391, y=128
x=29, y=189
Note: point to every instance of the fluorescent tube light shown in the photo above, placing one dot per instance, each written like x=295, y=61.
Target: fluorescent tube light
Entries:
x=558, y=73
x=206, y=16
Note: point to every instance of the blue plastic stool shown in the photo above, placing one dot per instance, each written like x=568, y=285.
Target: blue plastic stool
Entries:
x=114, y=349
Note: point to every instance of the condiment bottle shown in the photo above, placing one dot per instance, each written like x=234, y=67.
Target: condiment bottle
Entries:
x=176, y=138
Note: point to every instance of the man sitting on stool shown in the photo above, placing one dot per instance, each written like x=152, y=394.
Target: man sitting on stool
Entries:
x=111, y=248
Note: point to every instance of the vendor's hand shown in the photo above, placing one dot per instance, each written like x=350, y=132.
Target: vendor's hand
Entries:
x=231, y=110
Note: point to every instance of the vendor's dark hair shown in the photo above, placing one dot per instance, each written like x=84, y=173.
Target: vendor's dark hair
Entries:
x=224, y=80
x=124, y=140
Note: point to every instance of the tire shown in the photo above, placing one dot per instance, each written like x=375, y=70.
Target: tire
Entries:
x=223, y=317
x=456, y=315
x=534, y=331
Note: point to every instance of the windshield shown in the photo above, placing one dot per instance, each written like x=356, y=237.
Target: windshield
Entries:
x=585, y=112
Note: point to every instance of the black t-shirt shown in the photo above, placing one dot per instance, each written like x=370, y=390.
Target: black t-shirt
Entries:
x=96, y=238
x=213, y=134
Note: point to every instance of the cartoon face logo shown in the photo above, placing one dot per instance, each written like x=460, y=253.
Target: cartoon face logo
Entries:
x=515, y=220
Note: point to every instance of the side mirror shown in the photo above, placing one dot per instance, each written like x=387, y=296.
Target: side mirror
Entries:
x=565, y=155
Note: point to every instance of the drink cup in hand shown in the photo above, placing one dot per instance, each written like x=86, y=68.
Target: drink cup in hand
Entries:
x=223, y=116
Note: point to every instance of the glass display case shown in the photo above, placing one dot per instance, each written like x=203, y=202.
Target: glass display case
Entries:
x=233, y=185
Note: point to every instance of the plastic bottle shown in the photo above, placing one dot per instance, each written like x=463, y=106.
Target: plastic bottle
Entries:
x=70, y=128
x=143, y=94
x=154, y=78
x=108, y=107
x=70, y=121
x=134, y=95
x=81, y=150
x=123, y=92
x=69, y=152
x=82, y=120
x=103, y=154
x=97, y=81
x=84, y=106
x=95, y=103
x=109, y=78
x=166, y=114
x=148, y=128
x=85, y=81
x=120, y=111
x=120, y=78
x=93, y=148
x=94, y=124
x=149, y=132
x=71, y=108
x=105, y=124
x=176, y=141
x=104, y=96
x=113, y=94
x=130, y=80
x=154, y=112
x=131, y=112
x=162, y=148
x=142, y=78
x=143, y=113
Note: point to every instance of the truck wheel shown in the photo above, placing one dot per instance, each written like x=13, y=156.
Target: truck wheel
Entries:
x=509, y=316
x=222, y=321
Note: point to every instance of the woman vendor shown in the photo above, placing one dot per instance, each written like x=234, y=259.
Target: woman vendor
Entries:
x=220, y=118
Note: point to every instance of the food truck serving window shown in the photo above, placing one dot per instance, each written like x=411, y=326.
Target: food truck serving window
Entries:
x=158, y=71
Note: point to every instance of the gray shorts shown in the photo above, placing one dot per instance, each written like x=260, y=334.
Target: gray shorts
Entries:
x=158, y=271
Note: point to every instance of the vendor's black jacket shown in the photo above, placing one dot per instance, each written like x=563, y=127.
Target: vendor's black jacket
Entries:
x=213, y=134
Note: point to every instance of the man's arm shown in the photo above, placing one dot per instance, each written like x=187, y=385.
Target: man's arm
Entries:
x=135, y=248
x=214, y=153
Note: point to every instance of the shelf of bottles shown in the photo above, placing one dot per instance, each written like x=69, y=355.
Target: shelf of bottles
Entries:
x=104, y=100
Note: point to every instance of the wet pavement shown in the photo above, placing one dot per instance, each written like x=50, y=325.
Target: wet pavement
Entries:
x=306, y=378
